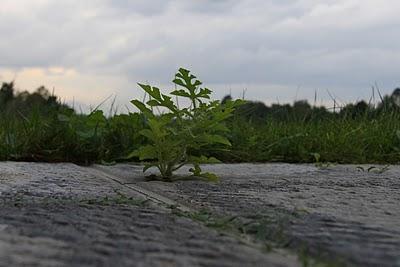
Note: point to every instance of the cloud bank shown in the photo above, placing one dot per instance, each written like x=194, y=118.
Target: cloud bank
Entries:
x=274, y=48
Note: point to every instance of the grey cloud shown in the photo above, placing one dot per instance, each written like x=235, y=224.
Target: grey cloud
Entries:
x=143, y=7
x=340, y=44
x=209, y=6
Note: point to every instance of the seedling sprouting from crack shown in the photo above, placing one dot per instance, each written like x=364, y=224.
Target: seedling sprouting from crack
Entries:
x=180, y=135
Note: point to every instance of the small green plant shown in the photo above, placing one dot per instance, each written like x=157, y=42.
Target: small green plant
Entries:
x=180, y=135
x=374, y=169
x=318, y=163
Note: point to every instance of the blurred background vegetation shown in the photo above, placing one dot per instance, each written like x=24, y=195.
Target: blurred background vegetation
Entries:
x=39, y=127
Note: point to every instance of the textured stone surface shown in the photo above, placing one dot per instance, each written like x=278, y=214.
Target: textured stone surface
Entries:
x=340, y=212
x=65, y=215
x=61, y=234
x=38, y=181
x=56, y=215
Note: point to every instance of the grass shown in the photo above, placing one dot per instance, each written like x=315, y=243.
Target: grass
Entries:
x=37, y=127
x=82, y=139
x=338, y=140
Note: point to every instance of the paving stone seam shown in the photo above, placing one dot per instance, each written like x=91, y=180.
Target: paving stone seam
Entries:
x=167, y=202
x=157, y=198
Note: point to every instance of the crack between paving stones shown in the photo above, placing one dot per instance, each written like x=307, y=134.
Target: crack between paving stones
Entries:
x=172, y=204
x=144, y=192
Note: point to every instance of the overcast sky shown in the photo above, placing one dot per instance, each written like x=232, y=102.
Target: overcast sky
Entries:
x=278, y=50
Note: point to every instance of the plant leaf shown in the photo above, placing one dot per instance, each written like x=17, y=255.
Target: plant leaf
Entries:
x=154, y=92
x=212, y=177
x=142, y=107
x=153, y=103
x=148, y=134
x=204, y=93
x=214, y=139
x=180, y=93
x=133, y=154
x=204, y=159
x=147, y=152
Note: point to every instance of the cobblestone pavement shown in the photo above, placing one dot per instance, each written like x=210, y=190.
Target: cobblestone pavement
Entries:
x=345, y=214
x=65, y=215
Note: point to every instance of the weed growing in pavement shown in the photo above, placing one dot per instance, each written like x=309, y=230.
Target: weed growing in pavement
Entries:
x=180, y=135
x=374, y=169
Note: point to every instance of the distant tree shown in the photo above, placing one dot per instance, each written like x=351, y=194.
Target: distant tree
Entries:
x=353, y=111
x=390, y=103
x=396, y=97
x=321, y=113
x=281, y=112
x=301, y=110
x=6, y=94
x=24, y=102
x=253, y=111
x=226, y=98
x=361, y=107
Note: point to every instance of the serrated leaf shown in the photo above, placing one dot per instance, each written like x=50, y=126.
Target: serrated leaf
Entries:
x=157, y=127
x=180, y=132
x=153, y=103
x=148, y=134
x=133, y=154
x=142, y=107
x=183, y=71
x=214, y=139
x=184, y=78
x=197, y=82
x=145, y=87
x=168, y=103
x=179, y=82
x=154, y=92
x=204, y=93
x=147, y=152
x=182, y=93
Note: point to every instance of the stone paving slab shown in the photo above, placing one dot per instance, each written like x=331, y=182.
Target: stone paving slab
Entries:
x=65, y=215
x=37, y=181
x=343, y=212
x=61, y=234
